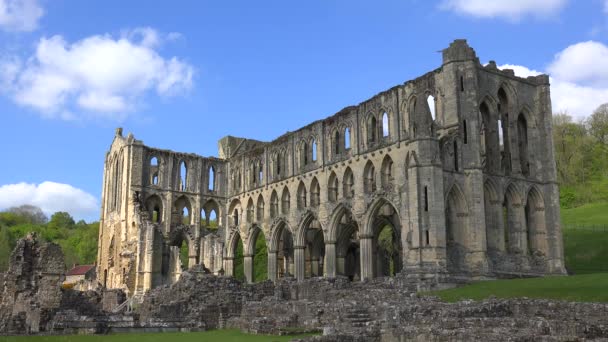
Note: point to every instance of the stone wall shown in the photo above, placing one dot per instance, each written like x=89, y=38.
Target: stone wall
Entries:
x=437, y=160
x=32, y=286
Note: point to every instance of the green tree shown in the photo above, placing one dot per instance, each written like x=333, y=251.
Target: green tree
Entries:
x=61, y=219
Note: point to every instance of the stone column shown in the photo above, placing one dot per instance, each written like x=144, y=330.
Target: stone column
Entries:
x=300, y=262
x=272, y=265
x=248, y=268
x=229, y=266
x=330, y=260
x=367, y=268
x=149, y=259
x=201, y=253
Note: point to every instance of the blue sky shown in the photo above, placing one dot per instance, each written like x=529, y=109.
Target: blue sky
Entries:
x=183, y=74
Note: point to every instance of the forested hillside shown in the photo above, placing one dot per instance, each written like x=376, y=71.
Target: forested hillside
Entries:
x=581, y=154
x=77, y=239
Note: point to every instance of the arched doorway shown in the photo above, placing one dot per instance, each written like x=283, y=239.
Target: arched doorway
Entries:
x=234, y=261
x=281, y=253
x=347, y=245
x=386, y=251
x=256, y=257
x=309, y=249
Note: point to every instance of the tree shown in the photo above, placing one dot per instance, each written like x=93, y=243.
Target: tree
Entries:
x=61, y=219
x=598, y=124
x=32, y=213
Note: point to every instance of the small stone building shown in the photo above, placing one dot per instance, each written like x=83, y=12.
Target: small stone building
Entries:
x=81, y=277
x=456, y=165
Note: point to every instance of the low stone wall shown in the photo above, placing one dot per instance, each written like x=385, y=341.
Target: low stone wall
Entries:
x=383, y=310
x=199, y=300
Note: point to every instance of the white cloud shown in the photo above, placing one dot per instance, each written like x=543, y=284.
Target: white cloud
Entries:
x=509, y=9
x=606, y=6
x=97, y=76
x=583, y=63
x=50, y=197
x=20, y=15
x=578, y=94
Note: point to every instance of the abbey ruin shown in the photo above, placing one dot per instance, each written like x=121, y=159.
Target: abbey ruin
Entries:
x=458, y=165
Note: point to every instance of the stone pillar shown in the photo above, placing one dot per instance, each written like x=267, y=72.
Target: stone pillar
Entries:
x=367, y=267
x=192, y=255
x=330, y=260
x=300, y=262
x=201, y=253
x=229, y=266
x=149, y=259
x=248, y=268
x=272, y=265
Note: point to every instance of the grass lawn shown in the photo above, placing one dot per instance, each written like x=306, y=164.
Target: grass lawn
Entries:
x=210, y=336
x=586, y=251
x=588, y=214
x=583, y=288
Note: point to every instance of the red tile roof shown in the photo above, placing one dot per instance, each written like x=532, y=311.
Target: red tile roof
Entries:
x=80, y=270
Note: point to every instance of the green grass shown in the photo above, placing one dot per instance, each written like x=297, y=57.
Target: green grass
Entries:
x=584, y=288
x=588, y=214
x=586, y=251
x=211, y=336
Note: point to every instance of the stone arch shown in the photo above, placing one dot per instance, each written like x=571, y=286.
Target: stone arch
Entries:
x=456, y=230
x=387, y=175
x=314, y=149
x=154, y=169
x=154, y=206
x=381, y=247
x=235, y=211
x=274, y=204
x=344, y=231
x=183, y=176
x=315, y=193
x=210, y=214
x=182, y=252
x=309, y=245
x=371, y=126
x=285, y=201
x=211, y=181
x=255, y=261
x=233, y=263
x=250, y=210
x=490, y=149
x=182, y=211
x=385, y=123
x=495, y=240
x=515, y=234
x=522, y=143
x=301, y=196
x=303, y=151
x=506, y=101
x=336, y=141
x=347, y=138
x=332, y=187
x=369, y=177
x=535, y=223
x=259, y=209
x=348, y=183
x=280, y=251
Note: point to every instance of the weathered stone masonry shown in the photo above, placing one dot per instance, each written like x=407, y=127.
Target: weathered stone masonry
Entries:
x=467, y=186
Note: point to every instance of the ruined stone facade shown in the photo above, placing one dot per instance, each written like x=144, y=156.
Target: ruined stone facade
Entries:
x=458, y=164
